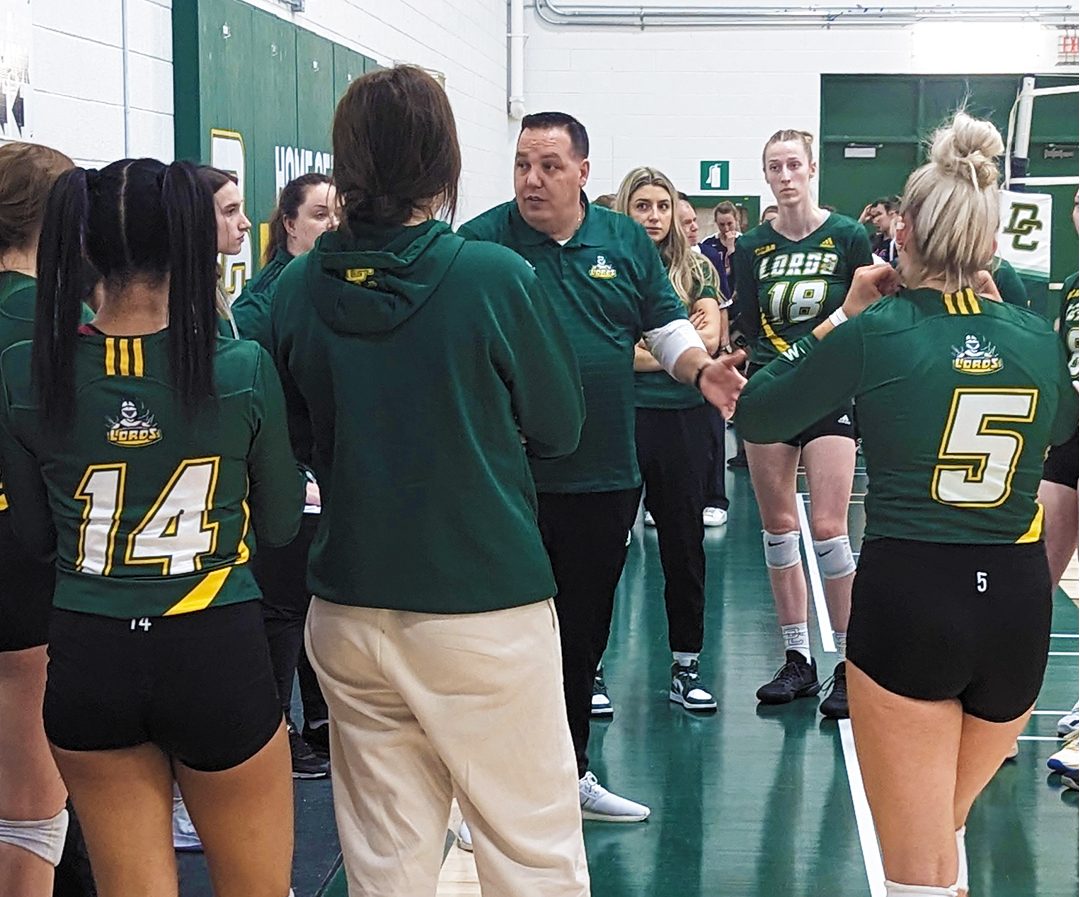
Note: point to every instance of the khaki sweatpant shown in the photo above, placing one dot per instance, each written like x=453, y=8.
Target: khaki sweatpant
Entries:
x=424, y=707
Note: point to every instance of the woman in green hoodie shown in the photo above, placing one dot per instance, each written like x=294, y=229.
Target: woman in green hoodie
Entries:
x=422, y=371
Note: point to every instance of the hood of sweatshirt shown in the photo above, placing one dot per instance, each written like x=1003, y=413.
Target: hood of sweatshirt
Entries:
x=367, y=280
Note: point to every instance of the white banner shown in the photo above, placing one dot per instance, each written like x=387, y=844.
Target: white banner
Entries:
x=1024, y=237
x=16, y=30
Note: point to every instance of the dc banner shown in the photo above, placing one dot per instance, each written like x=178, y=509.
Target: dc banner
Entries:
x=1024, y=238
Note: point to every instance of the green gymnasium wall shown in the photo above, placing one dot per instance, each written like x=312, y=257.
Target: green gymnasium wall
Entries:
x=896, y=113
x=255, y=95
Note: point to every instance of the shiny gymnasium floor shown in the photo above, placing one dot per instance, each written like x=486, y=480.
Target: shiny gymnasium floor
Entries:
x=751, y=801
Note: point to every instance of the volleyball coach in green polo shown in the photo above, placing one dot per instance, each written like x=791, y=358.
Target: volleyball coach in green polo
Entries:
x=609, y=288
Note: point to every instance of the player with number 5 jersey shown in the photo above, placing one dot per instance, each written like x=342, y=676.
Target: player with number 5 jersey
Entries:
x=149, y=455
x=959, y=397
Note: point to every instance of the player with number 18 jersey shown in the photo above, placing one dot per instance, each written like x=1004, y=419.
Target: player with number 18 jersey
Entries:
x=795, y=284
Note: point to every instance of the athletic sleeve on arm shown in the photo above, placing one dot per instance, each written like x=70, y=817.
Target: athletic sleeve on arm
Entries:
x=275, y=483
x=667, y=343
x=745, y=314
x=538, y=364
x=24, y=486
x=802, y=385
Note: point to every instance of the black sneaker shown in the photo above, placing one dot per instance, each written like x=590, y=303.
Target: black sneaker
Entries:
x=795, y=679
x=686, y=688
x=305, y=765
x=737, y=460
x=601, y=702
x=835, y=704
x=318, y=738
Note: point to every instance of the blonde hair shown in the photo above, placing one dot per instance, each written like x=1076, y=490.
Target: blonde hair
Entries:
x=950, y=204
x=786, y=134
x=683, y=266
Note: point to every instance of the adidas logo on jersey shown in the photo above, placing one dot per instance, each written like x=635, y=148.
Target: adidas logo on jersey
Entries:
x=975, y=358
x=844, y=419
x=134, y=428
x=827, y=243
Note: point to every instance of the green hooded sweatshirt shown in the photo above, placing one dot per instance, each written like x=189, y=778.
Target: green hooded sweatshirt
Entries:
x=421, y=372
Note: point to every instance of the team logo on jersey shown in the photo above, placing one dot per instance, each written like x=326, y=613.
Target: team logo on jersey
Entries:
x=602, y=270
x=360, y=275
x=766, y=249
x=135, y=427
x=976, y=356
x=828, y=243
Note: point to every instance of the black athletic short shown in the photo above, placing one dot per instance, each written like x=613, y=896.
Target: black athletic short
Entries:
x=1062, y=462
x=198, y=685
x=26, y=593
x=840, y=422
x=935, y=621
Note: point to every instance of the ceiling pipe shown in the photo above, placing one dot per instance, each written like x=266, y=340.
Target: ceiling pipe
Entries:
x=851, y=15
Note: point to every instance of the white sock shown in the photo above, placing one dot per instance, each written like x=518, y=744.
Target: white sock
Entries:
x=684, y=658
x=961, y=860
x=841, y=642
x=797, y=638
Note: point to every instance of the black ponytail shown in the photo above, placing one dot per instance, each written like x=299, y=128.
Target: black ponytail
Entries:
x=61, y=273
x=192, y=235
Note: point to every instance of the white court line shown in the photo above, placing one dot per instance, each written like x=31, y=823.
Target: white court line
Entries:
x=1037, y=738
x=821, y=610
x=875, y=871
x=1064, y=635
x=1050, y=712
x=1063, y=653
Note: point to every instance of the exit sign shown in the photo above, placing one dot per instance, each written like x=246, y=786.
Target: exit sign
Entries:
x=714, y=175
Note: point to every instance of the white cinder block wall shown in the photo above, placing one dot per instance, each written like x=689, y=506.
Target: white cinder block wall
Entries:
x=77, y=76
x=674, y=96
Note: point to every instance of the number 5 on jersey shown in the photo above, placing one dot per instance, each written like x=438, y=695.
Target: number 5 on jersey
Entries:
x=175, y=533
x=977, y=459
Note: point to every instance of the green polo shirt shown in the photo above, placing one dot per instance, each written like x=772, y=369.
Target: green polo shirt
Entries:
x=608, y=286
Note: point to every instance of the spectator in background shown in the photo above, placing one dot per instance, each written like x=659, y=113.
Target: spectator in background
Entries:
x=881, y=215
x=743, y=217
x=605, y=200
x=719, y=248
x=688, y=223
x=769, y=213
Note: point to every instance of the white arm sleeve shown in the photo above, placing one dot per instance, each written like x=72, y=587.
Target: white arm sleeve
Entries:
x=667, y=343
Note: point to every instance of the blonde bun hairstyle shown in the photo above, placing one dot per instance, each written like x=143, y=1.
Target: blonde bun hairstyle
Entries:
x=950, y=205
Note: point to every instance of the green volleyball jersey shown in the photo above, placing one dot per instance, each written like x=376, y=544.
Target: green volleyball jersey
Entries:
x=1068, y=325
x=958, y=399
x=658, y=389
x=796, y=284
x=151, y=512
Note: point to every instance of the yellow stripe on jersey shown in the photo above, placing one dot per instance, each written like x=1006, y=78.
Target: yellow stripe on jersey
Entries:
x=203, y=595
x=110, y=357
x=136, y=351
x=773, y=337
x=3, y=502
x=125, y=364
x=243, y=555
x=950, y=307
x=1034, y=532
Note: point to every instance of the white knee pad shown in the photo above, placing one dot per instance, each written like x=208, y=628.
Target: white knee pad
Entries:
x=42, y=837
x=834, y=557
x=781, y=550
x=961, y=859
x=892, y=889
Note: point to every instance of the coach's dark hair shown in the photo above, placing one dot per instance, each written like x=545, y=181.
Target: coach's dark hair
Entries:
x=395, y=148
x=288, y=206
x=216, y=178
x=543, y=121
x=136, y=219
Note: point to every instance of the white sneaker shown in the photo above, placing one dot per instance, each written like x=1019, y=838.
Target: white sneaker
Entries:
x=649, y=521
x=1069, y=722
x=714, y=516
x=184, y=836
x=599, y=804
x=464, y=836
x=629, y=537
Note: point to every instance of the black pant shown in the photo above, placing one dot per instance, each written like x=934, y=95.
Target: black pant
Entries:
x=585, y=537
x=716, y=479
x=673, y=454
x=281, y=573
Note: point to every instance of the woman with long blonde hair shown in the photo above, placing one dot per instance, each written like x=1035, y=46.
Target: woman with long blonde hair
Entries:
x=673, y=433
